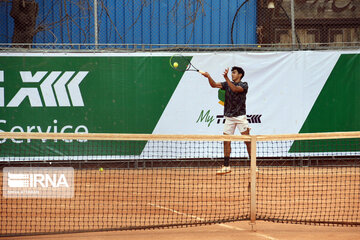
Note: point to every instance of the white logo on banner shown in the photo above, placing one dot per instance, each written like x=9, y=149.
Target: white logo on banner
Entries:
x=54, y=88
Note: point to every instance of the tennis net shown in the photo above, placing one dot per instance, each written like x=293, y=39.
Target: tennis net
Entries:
x=138, y=181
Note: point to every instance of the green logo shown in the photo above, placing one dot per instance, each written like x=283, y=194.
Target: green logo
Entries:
x=221, y=97
x=206, y=117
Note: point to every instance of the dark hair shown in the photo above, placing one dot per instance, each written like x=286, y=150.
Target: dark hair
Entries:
x=239, y=70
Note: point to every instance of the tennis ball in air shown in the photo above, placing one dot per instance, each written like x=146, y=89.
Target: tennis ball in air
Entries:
x=176, y=64
x=101, y=169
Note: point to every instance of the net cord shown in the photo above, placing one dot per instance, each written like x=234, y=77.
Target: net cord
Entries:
x=180, y=137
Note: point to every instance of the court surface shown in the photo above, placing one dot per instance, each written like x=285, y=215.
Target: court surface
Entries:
x=228, y=231
x=143, y=197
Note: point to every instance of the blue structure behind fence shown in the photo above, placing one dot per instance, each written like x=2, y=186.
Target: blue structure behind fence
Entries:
x=138, y=22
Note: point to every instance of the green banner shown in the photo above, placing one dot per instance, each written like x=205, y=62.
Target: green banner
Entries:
x=336, y=109
x=83, y=94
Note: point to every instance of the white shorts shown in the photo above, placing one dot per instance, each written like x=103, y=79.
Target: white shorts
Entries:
x=239, y=122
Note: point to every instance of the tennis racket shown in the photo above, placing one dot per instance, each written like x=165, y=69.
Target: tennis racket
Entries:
x=182, y=63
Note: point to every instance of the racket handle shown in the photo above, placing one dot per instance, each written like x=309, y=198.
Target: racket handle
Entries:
x=202, y=72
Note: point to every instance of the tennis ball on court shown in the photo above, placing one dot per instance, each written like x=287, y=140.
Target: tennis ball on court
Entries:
x=101, y=169
x=176, y=64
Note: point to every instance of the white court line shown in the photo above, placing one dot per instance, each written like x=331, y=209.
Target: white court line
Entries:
x=177, y=212
x=201, y=219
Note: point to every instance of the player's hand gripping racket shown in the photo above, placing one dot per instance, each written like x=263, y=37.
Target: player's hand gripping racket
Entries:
x=182, y=63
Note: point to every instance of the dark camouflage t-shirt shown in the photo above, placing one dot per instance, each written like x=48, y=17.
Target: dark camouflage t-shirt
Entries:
x=235, y=101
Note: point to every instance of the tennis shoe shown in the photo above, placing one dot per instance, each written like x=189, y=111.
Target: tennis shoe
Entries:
x=223, y=170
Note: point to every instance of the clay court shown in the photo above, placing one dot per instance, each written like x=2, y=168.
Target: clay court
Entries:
x=124, y=199
x=228, y=231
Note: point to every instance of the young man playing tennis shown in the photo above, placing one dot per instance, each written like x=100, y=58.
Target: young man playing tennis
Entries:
x=234, y=109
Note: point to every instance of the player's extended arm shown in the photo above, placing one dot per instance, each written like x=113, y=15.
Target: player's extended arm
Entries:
x=211, y=81
x=231, y=85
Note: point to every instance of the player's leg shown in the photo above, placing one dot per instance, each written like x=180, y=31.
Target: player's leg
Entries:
x=247, y=143
x=244, y=129
x=227, y=152
x=229, y=129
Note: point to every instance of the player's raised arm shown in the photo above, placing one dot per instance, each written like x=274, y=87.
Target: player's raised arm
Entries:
x=211, y=81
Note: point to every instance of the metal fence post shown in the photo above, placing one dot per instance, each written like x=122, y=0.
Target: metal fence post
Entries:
x=293, y=23
x=96, y=25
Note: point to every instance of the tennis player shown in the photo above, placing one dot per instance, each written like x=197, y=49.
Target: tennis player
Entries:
x=234, y=109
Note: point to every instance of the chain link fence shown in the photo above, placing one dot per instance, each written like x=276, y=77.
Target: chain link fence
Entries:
x=167, y=24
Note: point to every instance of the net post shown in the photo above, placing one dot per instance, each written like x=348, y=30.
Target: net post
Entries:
x=253, y=182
